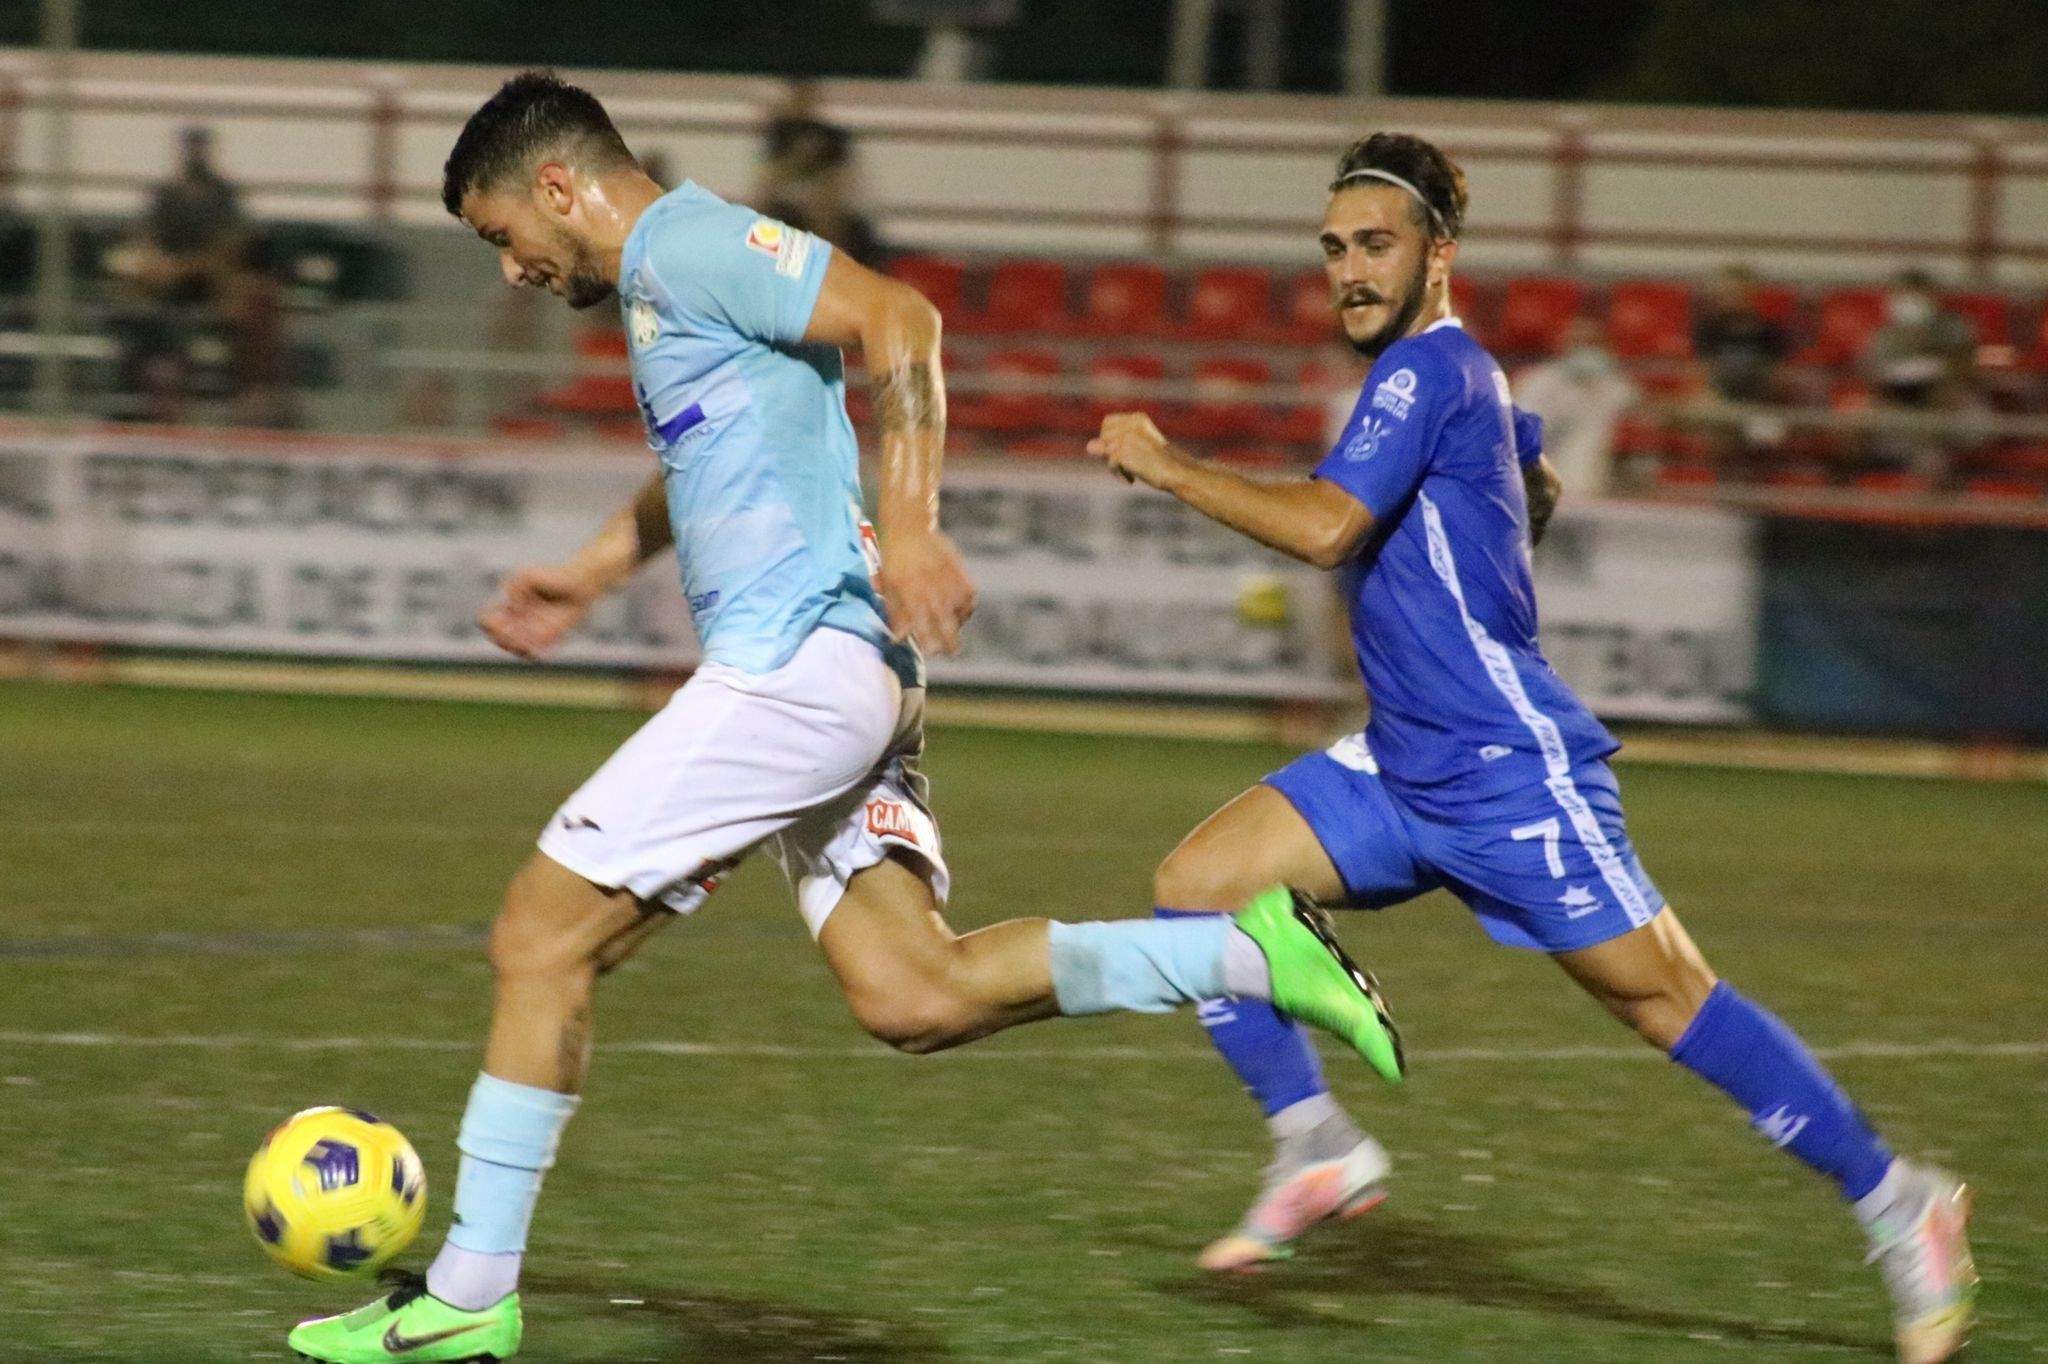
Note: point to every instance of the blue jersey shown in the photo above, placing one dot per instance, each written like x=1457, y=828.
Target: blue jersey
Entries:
x=1442, y=605
x=757, y=455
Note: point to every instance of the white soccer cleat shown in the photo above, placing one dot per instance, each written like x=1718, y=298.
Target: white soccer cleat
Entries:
x=1298, y=1199
x=1924, y=1256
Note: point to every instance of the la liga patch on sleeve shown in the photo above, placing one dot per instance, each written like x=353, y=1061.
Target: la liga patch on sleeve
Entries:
x=791, y=247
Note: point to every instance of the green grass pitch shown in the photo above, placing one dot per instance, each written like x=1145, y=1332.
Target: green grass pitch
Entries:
x=216, y=909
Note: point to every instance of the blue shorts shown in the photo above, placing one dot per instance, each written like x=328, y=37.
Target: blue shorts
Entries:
x=1545, y=866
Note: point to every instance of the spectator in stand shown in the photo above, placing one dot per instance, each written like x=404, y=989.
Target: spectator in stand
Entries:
x=1581, y=394
x=1741, y=350
x=1923, y=358
x=191, y=267
x=807, y=177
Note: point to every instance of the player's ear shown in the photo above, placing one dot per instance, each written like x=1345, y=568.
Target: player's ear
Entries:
x=1441, y=253
x=554, y=187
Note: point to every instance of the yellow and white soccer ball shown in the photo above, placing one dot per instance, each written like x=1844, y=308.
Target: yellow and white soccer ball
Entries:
x=334, y=1192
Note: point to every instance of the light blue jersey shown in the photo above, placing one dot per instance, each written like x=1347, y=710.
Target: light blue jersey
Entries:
x=757, y=454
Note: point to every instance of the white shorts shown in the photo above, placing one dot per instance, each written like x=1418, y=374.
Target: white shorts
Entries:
x=818, y=759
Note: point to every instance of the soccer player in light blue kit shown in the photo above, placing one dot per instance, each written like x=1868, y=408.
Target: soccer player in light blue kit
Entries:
x=800, y=731
x=1479, y=771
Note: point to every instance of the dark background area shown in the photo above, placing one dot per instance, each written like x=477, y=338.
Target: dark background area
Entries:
x=1988, y=56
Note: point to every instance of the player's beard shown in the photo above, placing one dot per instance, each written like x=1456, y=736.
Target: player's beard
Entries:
x=1404, y=316
x=583, y=284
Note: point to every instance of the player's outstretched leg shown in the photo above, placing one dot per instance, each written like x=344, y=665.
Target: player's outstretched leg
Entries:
x=1323, y=1168
x=914, y=984
x=1654, y=979
x=555, y=936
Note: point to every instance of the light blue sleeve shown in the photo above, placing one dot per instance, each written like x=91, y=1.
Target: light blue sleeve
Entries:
x=732, y=267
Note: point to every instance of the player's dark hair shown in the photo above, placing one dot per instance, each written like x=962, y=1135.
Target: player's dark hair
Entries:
x=1421, y=164
x=534, y=114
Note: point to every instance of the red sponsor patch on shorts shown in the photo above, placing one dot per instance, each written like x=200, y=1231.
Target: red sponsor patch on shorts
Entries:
x=892, y=819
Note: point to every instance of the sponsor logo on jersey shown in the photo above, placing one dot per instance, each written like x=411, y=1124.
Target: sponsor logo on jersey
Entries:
x=790, y=246
x=1396, y=394
x=893, y=819
x=1492, y=751
x=641, y=323
x=704, y=601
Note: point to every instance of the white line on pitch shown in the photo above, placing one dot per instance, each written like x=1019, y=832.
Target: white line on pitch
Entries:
x=772, y=1051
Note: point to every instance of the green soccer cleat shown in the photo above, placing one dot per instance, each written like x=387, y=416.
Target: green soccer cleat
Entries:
x=412, y=1324
x=1314, y=981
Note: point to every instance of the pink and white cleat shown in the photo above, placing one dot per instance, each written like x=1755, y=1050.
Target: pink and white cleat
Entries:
x=1921, y=1248
x=1298, y=1199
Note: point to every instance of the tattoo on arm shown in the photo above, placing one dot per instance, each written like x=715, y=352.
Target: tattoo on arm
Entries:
x=908, y=399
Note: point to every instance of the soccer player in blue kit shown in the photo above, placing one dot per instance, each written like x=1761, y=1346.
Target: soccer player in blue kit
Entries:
x=800, y=731
x=1479, y=771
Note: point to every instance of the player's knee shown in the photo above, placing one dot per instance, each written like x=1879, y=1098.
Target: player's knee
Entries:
x=918, y=1024
x=533, y=935
x=1196, y=876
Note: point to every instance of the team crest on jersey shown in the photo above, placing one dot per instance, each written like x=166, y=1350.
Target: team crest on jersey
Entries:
x=641, y=323
x=1396, y=394
x=1364, y=443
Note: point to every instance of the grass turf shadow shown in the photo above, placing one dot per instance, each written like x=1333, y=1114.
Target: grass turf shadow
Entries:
x=1395, y=1253
x=715, y=1326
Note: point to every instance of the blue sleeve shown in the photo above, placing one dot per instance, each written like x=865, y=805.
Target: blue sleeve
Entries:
x=1387, y=444
x=732, y=267
x=1528, y=436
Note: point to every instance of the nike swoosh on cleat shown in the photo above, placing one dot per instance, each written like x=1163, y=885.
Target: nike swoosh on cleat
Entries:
x=402, y=1344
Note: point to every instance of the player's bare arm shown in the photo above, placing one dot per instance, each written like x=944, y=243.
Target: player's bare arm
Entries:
x=1544, y=487
x=1308, y=519
x=923, y=582
x=539, y=604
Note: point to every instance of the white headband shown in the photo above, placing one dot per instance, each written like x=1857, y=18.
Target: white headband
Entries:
x=1349, y=176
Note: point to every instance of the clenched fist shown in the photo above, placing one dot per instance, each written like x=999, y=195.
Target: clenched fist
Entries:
x=1132, y=446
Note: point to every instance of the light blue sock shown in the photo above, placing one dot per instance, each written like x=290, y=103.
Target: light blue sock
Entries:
x=1147, y=966
x=508, y=1140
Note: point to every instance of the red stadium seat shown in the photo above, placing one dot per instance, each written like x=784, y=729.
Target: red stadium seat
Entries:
x=1043, y=447
x=1220, y=412
x=1468, y=301
x=1534, y=313
x=1024, y=296
x=2003, y=488
x=1798, y=475
x=1988, y=315
x=1229, y=302
x=1114, y=381
x=1650, y=320
x=1007, y=409
x=530, y=428
x=601, y=343
x=1123, y=300
x=1899, y=482
x=1686, y=473
x=592, y=395
x=1306, y=316
x=1255, y=457
x=938, y=278
x=1777, y=303
x=1843, y=326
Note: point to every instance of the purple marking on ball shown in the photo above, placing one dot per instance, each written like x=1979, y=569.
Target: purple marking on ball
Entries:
x=346, y=1252
x=338, y=1164
x=268, y=1224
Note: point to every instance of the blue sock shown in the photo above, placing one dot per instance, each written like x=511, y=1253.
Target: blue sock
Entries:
x=1761, y=1064
x=508, y=1140
x=1148, y=966
x=1271, y=1054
